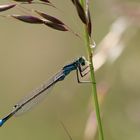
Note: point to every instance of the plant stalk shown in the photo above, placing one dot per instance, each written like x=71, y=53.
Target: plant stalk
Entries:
x=93, y=80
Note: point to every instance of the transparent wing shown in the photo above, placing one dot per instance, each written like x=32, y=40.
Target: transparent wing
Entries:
x=36, y=96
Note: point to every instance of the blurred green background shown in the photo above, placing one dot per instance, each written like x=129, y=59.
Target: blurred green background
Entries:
x=31, y=54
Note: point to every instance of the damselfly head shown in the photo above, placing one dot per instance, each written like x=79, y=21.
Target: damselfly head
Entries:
x=82, y=60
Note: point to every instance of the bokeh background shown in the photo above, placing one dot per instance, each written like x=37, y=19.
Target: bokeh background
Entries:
x=31, y=54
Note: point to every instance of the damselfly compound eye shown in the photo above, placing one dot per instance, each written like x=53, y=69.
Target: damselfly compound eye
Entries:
x=82, y=60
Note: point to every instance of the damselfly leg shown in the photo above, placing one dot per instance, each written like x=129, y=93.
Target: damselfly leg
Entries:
x=82, y=72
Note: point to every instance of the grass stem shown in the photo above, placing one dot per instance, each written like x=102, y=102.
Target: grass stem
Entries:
x=93, y=80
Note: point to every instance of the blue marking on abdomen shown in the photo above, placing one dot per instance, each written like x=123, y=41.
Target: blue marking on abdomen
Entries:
x=1, y=122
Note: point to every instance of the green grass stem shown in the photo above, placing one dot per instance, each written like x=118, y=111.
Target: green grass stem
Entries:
x=93, y=80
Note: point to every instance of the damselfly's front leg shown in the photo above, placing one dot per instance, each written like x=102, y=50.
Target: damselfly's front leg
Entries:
x=80, y=73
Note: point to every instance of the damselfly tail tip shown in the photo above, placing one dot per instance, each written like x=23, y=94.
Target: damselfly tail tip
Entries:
x=1, y=122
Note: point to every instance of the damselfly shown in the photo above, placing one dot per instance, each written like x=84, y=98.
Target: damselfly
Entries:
x=79, y=65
